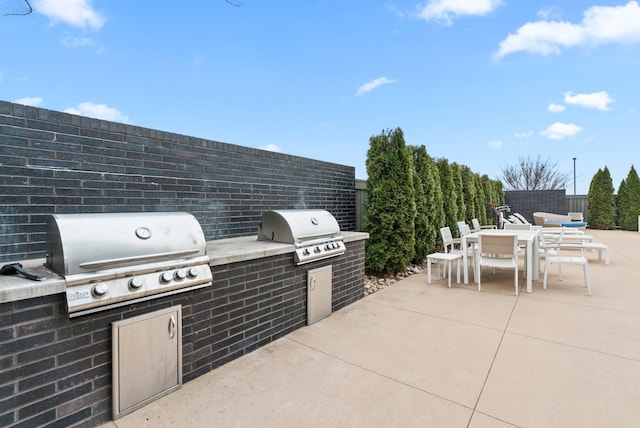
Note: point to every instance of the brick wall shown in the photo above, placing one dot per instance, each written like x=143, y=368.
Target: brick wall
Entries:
x=53, y=162
x=56, y=371
x=526, y=202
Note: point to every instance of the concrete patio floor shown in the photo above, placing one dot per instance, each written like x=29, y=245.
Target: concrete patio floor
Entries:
x=419, y=355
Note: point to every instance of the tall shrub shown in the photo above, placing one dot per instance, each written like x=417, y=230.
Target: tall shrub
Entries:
x=469, y=192
x=390, y=206
x=459, y=192
x=629, y=201
x=602, y=206
x=449, y=195
x=430, y=215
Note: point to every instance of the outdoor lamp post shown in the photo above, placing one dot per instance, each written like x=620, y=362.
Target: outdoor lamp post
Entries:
x=574, y=176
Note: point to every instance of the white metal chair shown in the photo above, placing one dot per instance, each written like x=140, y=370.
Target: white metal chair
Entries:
x=498, y=251
x=477, y=227
x=449, y=244
x=564, y=253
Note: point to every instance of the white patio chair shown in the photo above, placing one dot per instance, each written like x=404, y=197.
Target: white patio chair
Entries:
x=564, y=253
x=449, y=245
x=498, y=251
x=477, y=227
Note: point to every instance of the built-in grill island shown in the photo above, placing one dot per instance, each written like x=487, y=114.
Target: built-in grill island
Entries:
x=114, y=259
x=131, y=305
x=315, y=233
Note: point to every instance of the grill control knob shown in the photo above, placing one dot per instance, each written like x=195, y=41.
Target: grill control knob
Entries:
x=135, y=283
x=327, y=247
x=317, y=250
x=166, y=277
x=192, y=272
x=180, y=274
x=99, y=289
x=306, y=252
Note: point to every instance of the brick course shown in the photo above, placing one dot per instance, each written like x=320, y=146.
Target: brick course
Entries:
x=55, y=162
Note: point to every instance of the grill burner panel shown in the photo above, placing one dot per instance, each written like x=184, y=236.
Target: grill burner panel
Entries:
x=114, y=259
x=315, y=233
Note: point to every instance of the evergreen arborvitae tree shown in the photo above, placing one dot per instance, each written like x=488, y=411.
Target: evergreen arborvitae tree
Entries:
x=433, y=187
x=602, y=206
x=459, y=189
x=479, y=201
x=468, y=192
x=629, y=201
x=430, y=214
x=391, y=210
x=449, y=195
x=421, y=223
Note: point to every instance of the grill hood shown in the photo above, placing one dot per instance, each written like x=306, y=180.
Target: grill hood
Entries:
x=315, y=233
x=83, y=243
x=297, y=226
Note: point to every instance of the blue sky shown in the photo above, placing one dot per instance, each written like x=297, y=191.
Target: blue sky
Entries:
x=482, y=83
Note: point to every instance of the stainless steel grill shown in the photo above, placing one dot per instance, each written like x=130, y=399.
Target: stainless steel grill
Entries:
x=315, y=233
x=114, y=259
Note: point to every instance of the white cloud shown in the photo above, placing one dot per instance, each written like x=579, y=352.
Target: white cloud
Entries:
x=559, y=130
x=271, y=148
x=98, y=111
x=370, y=86
x=600, y=24
x=526, y=134
x=496, y=144
x=556, y=108
x=598, y=100
x=77, y=13
x=76, y=42
x=446, y=10
x=29, y=101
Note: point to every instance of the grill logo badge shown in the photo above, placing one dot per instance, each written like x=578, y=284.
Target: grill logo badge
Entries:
x=314, y=221
x=75, y=295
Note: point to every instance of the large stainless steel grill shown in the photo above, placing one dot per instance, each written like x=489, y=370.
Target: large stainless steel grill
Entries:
x=114, y=259
x=315, y=233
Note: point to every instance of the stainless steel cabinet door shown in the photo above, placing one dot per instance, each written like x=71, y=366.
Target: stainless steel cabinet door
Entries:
x=319, y=293
x=147, y=358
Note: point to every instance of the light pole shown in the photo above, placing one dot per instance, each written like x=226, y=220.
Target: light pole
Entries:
x=574, y=176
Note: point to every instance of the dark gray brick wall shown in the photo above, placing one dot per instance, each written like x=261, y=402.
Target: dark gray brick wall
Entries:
x=53, y=162
x=526, y=202
x=56, y=371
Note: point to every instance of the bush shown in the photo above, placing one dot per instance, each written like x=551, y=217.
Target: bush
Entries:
x=390, y=205
x=629, y=201
x=602, y=206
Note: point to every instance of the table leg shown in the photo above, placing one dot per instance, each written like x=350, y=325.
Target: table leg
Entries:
x=530, y=267
x=428, y=271
x=465, y=268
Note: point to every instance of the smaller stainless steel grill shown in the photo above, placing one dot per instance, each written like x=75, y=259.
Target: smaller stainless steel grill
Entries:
x=113, y=259
x=315, y=233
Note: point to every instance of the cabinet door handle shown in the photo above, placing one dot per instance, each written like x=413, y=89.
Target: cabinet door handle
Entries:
x=313, y=282
x=172, y=327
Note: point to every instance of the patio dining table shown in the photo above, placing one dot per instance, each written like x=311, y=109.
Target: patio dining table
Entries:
x=528, y=238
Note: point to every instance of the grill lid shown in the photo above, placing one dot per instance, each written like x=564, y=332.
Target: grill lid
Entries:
x=315, y=233
x=85, y=243
x=298, y=226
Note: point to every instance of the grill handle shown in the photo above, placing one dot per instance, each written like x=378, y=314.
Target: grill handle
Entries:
x=101, y=264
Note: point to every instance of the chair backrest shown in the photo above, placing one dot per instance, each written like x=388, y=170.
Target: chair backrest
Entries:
x=464, y=229
x=498, y=245
x=476, y=225
x=447, y=238
x=522, y=219
x=513, y=226
x=461, y=227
